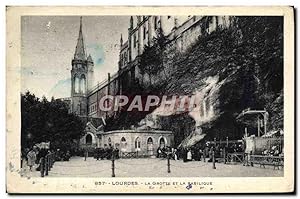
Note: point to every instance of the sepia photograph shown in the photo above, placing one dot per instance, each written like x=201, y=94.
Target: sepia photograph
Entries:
x=150, y=102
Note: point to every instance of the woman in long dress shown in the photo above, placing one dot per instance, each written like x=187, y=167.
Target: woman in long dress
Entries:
x=189, y=155
x=31, y=156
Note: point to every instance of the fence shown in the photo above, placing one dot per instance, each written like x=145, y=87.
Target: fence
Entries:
x=258, y=144
x=118, y=165
x=262, y=160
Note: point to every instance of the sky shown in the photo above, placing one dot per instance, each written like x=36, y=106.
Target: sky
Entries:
x=48, y=45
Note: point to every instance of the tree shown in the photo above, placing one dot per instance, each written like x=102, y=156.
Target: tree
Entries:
x=152, y=59
x=44, y=121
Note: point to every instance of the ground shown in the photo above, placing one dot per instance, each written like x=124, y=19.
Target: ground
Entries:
x=152, y=167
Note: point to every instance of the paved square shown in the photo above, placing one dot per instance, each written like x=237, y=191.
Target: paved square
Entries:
x=153, y=167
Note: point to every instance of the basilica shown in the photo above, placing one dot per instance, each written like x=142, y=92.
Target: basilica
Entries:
x=84, y=100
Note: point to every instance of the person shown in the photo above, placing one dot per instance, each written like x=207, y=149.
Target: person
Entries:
x=189, y=155
x=24, y=157
x=158, y=152
x=115, y=153
x=196, y=155
x=200, y=154
x=276, y=152
x=210, y=154
x=164, y=152
x=175, y=153
x=184, y=154
x=68, y=156
x=97, y=154
x=31, y=157
x=265, y=152
x=101, y=153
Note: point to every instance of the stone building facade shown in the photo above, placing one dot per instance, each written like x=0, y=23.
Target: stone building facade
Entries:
x=144, y=142
x=182, y=32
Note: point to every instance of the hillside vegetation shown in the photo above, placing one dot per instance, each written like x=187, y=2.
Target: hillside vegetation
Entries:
x=247, y=61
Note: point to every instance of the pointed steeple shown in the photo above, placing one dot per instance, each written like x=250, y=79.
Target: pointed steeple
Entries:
x=121, y=40
x=80, y=51
x=131, y=22
x=89, y=58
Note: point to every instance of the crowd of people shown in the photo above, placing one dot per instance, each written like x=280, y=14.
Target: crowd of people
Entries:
x=106, y=153
x=198, y=153
x=33, y=157
x=186, y=154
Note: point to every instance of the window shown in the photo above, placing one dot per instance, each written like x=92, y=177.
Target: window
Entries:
x=82, y=86
x=155, y=23
x=150, y=146
x=137, y=143
x=134, y=40
x=144, y=32
x=162, y=142
x=88, y=139
x=123, y=144
x=76, y=82
x=149, y=140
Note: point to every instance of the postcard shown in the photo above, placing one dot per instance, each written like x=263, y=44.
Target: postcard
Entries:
x=150, y=100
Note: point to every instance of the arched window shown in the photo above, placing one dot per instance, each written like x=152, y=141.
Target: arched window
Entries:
x=144, y=32
x=125, y=58
x=88, y=139
x=134, y=40
x=149, y=140
x=123, y=144
x=137, y=143
x=155, y=22
x=82, y=86
x=150, y=146
x=162, y=142
x=76, y=84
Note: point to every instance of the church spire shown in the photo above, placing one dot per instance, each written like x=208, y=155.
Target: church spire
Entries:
x=80, y=51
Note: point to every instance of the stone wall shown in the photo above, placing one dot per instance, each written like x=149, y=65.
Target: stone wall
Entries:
x=137, y=140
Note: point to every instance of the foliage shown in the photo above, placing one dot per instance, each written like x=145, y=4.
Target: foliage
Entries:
x=248, y=56
x=44, y=121
x=152, y=59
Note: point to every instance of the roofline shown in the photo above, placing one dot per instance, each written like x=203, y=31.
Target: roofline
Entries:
x=137, y=131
